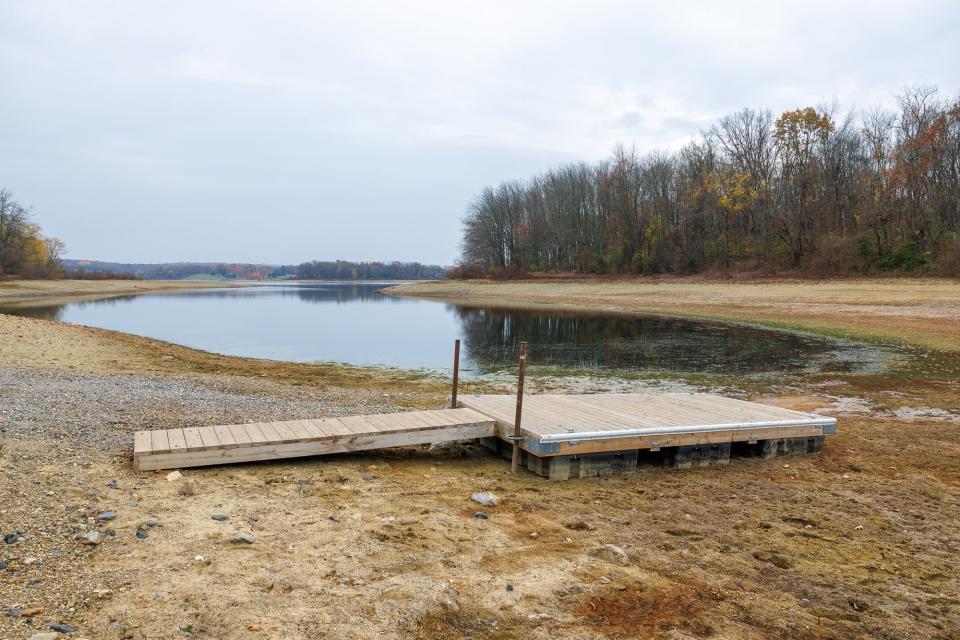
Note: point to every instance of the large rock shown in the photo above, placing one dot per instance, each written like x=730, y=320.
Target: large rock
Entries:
x=486, y=498
x=611, y=553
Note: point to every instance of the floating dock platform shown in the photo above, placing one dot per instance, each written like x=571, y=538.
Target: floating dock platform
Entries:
x=562, y=436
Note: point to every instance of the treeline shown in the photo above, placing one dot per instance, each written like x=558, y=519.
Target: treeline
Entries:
x=809, y=190
x=24, y=250
x=315, y=270
x=175, y=270
x=342, y=270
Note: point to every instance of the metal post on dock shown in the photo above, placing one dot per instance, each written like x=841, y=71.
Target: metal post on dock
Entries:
x=456, y=373
x=515, y=462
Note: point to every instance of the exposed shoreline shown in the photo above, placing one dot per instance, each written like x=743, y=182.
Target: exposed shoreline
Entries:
x=917, y=312
x=387, y=545
x=30, y=292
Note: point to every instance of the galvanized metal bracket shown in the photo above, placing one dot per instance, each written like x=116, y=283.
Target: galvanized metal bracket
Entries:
x=540, y=448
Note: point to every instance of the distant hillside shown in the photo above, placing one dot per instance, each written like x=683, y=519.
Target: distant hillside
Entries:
x=314, y=270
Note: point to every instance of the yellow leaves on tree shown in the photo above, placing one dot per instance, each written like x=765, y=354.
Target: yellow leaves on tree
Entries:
x=733, y=190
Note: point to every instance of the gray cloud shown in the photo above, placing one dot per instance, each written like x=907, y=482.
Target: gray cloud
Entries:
x=283, y=131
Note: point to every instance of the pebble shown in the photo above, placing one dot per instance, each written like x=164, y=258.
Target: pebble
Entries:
x=10, y=538
x=3, y=565
x=90, y=537
x=480, y=515
x=335, y=519
x=63, y=628
x=189, y=488
x=142, y=534
x=242, y=539
x=219, y=517
x=150, y=522
x=113, y=484
x=106, y=515
x=368, y=478
x=486, y=498
x=44, y=635
x=611, y=553
x=509, y=587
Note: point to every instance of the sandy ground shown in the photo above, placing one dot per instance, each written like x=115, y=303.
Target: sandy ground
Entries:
x=26, y=292
x=858, y=542
x=924, y=312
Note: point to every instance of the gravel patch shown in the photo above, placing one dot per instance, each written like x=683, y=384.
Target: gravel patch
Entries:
x=103, y=410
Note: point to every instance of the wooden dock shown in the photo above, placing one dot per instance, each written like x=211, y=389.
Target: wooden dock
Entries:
x=562, y=436
x=224, y=444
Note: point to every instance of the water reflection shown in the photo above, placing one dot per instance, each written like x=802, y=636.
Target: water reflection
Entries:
x=353, y=322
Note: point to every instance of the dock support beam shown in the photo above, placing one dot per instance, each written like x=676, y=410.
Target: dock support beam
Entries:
x=515, y=462
x=456, y=374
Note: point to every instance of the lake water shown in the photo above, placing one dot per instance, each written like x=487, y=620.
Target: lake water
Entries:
x=354, y=323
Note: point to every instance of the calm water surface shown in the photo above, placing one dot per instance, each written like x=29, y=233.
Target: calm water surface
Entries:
x=353, y=323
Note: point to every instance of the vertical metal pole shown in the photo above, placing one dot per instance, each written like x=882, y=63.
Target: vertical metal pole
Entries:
x=456, y=373
x=515, y=462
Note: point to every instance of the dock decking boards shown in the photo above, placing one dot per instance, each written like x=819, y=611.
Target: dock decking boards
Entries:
x=563, y=435
x=223, y=444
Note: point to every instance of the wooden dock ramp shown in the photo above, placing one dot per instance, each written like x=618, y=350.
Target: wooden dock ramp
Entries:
x=223, y=444
x=562, y=436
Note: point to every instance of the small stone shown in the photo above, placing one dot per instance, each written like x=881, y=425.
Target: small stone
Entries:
x=3, y=565
x=368, y=478
x=63, y=628
x=486, y=498
x=480, y=515
x=335, y=519
x=44, y=635
x=10, y=538
x=611, y=553
x=173, y=476
x=219, y=517
x=534, y=535
x=243, y=538
x=509, y=587
x=29, y=613
x=90, y=537
x=805, y=602
x=103, y=594
x=113, y=484
x=150, y=522
x=106, y=515
x=189, y=488
x=142, y=534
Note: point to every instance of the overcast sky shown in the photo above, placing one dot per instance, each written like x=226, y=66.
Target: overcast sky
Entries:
x=284, y=131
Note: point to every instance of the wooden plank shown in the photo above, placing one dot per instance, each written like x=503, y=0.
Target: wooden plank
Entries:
x=254, y=434
x=142, y=443
x=192, y=436
x=270, y=432
x=285, y=432
x=177, y=440
x=209, y=437
x=240, y=435
x=225, y=435
x=303, y=430
x=159, y=442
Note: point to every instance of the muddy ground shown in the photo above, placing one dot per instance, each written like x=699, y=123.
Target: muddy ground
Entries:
x=859, y=542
